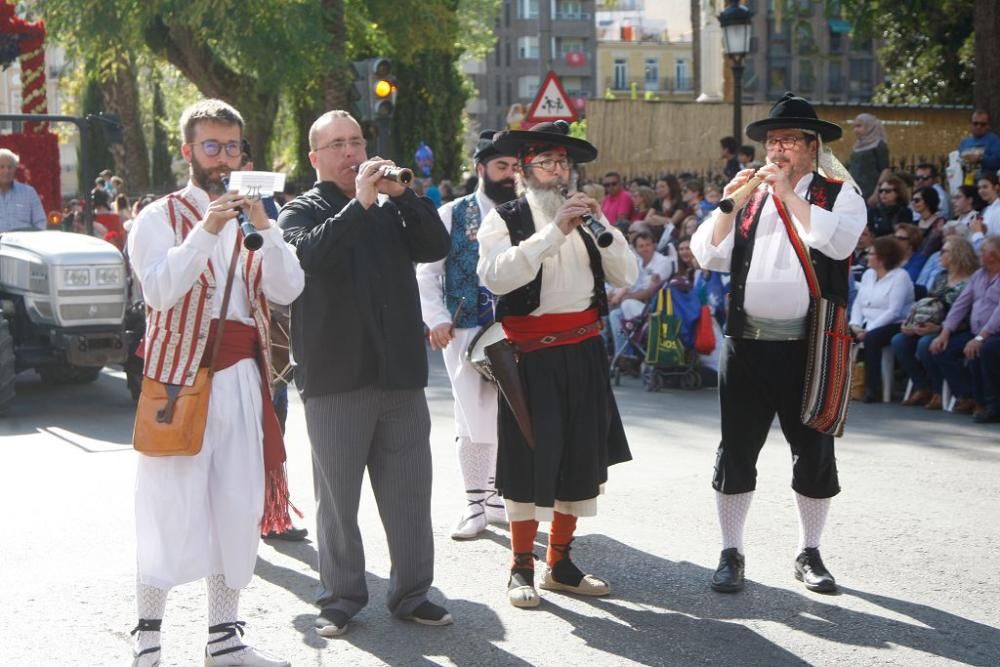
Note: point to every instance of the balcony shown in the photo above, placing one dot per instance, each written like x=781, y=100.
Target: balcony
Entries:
x=663, y=86
x=571, y=16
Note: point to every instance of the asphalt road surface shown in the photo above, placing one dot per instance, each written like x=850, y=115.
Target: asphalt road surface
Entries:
x=912, y=539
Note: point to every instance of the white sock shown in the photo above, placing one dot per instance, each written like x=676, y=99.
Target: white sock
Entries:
x=151, y=603
x=472, y=459
x=732, y=509
x=812, y=519
x=223, y=607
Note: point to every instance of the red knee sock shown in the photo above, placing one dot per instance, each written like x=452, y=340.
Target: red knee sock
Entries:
x=560, y=535
x=522, y=541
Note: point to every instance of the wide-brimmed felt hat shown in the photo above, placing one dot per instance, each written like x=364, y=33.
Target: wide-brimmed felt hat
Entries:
x=795, y=112
x=485, y=149
x=543, y=137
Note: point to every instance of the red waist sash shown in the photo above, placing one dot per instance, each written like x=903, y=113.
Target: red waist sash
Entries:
x=534, y=332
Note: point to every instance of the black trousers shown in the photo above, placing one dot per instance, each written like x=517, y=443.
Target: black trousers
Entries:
x=757, y=380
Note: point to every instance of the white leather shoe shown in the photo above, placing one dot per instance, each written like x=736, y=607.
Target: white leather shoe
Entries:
x=247, y=656
x=143, y=659
x=472, y=523
x=496, y=514
x=585, y=584
x=150, y=656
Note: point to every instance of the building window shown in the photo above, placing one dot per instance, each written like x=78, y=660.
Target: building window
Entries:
x=527, y=86
x=835, y=78
x=621, y=74
x=836, y=42
x=804, y=38
x=506, y=54
x=569, y=10
x=566, y=45
x=527, y=48
x=859, y=81
x=527, y=9
x=777, y=79
x=749, y=76
x=807, y=78
x=778, y=43
x=499, y=98
x=652, y=74
x=496, y=55
x=683, y=77
x=510, y=93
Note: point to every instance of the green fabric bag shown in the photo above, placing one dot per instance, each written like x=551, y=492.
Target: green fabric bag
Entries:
x=664, y=348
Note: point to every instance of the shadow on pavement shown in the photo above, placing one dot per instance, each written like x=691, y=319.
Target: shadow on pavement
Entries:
x=467, y=643
x=693, y=624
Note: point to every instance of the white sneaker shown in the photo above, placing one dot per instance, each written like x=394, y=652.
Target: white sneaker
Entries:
x=472, y=523
x=496, y=514
x=247, y=656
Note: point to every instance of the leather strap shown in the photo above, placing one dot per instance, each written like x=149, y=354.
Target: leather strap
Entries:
x=225, y=306
x=801, y=251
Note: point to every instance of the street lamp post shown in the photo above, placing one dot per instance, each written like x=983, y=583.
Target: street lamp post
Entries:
x=735, y=22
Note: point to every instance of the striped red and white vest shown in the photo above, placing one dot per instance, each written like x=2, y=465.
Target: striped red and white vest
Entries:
x=176, y=338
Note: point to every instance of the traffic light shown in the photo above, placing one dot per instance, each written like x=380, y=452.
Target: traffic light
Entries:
x=382, y=86
x=361, y=96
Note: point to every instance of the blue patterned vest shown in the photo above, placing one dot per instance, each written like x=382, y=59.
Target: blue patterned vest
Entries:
x=461, y=282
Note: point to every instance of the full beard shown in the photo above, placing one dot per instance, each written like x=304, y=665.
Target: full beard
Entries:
x=501, y=191
x=209, y=180
x=548, y=199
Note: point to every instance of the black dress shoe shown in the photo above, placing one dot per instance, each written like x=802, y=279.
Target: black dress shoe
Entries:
x=986, y=416
x=728, y=577
x=290, y=535
x=809, y=569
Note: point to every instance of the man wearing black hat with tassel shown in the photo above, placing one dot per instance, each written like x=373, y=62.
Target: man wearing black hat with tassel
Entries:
x=549, y=276
x=765, y=351
x=455, y=306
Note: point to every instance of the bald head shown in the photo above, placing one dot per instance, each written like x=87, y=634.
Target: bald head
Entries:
x=316, y=130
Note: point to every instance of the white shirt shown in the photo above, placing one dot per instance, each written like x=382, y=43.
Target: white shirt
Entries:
x=882, y=301
x=991, y=218
x=167, y=270
x=567, y=281
x=430, y=276
x=776, y=286
x=659, y=265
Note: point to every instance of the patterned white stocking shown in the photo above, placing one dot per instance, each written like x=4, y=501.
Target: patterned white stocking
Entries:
x=476, y=472
x=223, y=608
x=812, y=519
x=733, y=509
x=151, y=603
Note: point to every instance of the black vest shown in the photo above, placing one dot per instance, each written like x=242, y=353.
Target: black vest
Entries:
x=832, y=274
x=525, y=299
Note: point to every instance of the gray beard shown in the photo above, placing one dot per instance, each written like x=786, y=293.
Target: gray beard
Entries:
x=546, y=200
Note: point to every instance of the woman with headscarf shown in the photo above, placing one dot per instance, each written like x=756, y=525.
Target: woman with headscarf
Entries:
x=870, y=154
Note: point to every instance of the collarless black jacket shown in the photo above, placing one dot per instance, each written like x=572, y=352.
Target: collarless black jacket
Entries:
x=357, y=323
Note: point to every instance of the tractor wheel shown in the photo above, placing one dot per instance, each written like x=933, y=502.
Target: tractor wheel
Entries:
x=7, y=372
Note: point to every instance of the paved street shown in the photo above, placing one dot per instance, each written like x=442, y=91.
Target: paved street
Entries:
x=912, y=539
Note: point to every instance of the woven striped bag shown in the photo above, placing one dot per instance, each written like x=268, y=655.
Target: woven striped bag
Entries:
x=828, y=365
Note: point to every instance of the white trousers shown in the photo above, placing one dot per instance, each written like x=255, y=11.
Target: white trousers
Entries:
x=200, y=515
x=475, y=398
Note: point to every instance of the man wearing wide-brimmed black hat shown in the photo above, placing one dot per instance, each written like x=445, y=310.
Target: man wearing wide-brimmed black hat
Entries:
x=549, y=276
x=765, y=349
x=455, y=307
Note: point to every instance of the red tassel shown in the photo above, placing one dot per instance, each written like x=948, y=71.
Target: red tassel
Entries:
x=276, y=503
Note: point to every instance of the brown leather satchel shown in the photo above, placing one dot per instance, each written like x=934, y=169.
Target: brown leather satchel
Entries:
x=170, y=418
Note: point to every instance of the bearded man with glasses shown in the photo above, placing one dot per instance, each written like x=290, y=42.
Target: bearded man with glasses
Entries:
x=202, y=516
x=549, y=276
x=765, y=350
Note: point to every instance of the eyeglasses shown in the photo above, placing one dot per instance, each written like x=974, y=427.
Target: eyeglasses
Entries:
x=977, y=123
x=338, y=145
x=550, y=165
x=784, y=142
x=610, y=184
x=918, y=177
x=916, y=200
x=211, y=148
x=881, y=190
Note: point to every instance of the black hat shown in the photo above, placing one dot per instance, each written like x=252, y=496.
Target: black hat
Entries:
x=793, y=112
x=485, y=150
x=543, y=137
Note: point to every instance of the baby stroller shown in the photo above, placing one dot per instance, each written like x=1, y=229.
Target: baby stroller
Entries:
x=670, y=356
x=628, y=357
